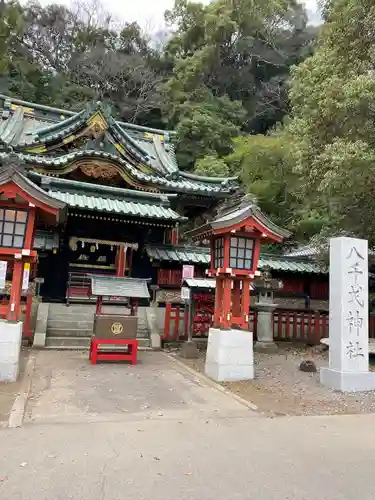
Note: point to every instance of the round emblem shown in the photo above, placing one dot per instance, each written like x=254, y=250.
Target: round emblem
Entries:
x=116, y=328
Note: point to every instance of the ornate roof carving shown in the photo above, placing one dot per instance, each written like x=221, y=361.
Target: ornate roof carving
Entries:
x=47, y=137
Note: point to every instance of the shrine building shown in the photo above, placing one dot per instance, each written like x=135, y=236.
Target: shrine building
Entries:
x=128, y=205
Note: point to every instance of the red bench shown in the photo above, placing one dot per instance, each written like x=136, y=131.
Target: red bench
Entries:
x=130, y=355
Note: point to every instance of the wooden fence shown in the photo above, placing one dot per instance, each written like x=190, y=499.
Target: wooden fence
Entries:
x=288, y=325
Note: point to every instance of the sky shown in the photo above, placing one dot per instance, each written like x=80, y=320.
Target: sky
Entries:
x=151, y=12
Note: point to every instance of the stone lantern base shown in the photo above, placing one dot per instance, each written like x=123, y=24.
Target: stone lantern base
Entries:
x=229, y=355
x=10, y=348
x=265, y=307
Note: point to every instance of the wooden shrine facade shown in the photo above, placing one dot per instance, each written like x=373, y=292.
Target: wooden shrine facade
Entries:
x=128, y=204
x=120, y=183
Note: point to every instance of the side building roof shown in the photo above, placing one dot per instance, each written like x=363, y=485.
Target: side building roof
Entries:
x=201, y=256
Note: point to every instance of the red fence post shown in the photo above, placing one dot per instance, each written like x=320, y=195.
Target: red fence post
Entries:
x=294, y=325
x=167, y=321
x=176, y=322
x=317, y=327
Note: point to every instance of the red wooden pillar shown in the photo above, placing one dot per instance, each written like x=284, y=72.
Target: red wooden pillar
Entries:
x=174, y=236
x=227, y=303
x=226, y=251
x=129, y=262
x=15, y=294
x=236, y=298
x=29, y=236
x=121, y=260
x=246, y=302
x=218, y=302
x=27, y=321
x=99, y=303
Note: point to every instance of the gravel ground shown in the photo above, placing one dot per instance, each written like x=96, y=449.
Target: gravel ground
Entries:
x=280, y=388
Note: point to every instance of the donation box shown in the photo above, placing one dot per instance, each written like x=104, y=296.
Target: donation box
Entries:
x=115, y=326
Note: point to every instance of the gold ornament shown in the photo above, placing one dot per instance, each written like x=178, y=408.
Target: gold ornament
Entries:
x=116, y=328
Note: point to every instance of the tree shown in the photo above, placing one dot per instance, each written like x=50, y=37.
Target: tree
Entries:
x=212, y=166
x=69, y=57
x=11, y=24
x=236, y=53
x=265, y=166
x=333, y=121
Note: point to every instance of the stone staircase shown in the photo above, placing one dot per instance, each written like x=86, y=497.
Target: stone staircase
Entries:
x=71, y=327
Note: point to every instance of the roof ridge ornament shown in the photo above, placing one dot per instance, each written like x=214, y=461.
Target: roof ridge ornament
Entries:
x=239, y=199
x=12, y=162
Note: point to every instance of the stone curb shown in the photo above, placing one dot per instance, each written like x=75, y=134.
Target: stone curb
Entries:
x=213, y=384
x=18, y=409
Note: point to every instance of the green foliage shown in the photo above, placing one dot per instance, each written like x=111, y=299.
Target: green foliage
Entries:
x=11, y=25
x=63, y=57
x=206, y=124
x=220, y=76
x=332, y=98
x=230, y=62
x=211, y=166
x=265, y=166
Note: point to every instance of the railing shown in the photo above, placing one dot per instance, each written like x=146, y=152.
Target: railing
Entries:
x=78, y=286
x=306, y=326
x=288, y=325
x=175, y=323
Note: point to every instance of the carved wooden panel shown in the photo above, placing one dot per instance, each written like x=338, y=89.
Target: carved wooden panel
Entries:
x=98, y=170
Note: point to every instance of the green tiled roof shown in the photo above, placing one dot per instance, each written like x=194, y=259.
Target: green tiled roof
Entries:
x=179, y=253
x=117, y=206
x=201, y=255
x=36, y=133
x=109, y=199
x=281, y=263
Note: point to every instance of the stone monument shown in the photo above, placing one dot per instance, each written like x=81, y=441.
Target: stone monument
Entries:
x=348, y=369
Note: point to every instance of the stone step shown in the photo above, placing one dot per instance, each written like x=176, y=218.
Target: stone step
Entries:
x=86, y=309
x=81, y=316
x=69, y=342
x=72, y=331
x=69, y=332
x=67, y=325
x=71, y=316
x=82, y=343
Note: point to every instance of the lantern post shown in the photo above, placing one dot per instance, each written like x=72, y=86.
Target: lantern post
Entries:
x=22, y=203
x=235, y=235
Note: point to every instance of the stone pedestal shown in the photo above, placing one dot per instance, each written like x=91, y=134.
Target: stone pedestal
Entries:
x=189, y=350
x=348, y=369
x=151, y=321
x=10, y=348
x=41, y=325
x=265, y=342
x=229, y=355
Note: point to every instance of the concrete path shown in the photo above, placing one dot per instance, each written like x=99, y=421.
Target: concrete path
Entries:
x=157, y=432
x=299, y=458
x=67, y=388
